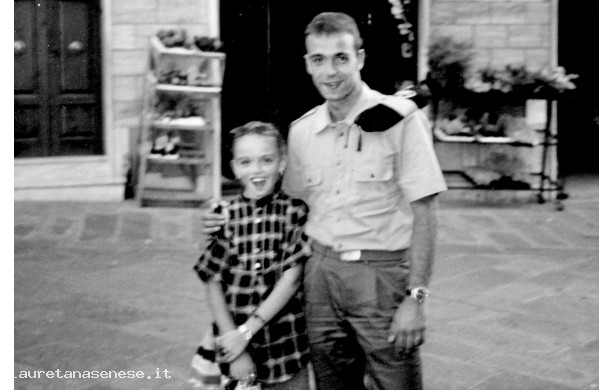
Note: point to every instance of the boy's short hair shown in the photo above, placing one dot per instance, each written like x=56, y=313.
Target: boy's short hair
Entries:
x=260, y=128
x=327, y=23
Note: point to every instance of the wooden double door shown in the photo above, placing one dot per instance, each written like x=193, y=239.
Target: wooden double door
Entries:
x=57, y=78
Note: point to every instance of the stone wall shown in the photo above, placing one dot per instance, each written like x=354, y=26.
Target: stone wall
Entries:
x=503, y=32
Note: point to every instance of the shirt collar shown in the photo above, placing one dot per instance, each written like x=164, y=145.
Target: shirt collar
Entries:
x=261, y=202
x=367, y=99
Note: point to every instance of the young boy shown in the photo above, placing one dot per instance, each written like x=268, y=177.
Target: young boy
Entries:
x=253, y=266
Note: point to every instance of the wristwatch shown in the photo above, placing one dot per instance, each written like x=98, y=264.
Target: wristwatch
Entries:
x=418, y=293
x=245, y=332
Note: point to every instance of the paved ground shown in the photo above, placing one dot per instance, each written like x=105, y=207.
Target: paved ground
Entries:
x=109, y=286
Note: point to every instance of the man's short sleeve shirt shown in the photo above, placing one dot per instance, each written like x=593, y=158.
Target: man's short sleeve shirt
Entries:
x=359, y=185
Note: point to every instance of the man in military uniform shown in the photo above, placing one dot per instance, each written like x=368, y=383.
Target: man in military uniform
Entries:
x=365, y=165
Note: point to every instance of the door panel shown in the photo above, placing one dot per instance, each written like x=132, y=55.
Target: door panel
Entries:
x=25, y=44
x=58, y=86
x=31, y=114
x=75, y=61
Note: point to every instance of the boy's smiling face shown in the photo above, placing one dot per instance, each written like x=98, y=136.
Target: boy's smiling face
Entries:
x=258, y=164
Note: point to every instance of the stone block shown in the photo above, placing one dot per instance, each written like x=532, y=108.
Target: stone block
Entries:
x=459, y=33
x=508, y=13
x=130, y=62
x=127, y=88
x=135, y=11
x=442, y=373
x=99, y=226
x=182, y=11
x=539, y=13
x=502, y=57
x=473, y=13
x=528, y=36
x=124, y=37
x=443, y=12
x=135, y=227
x=490, y=36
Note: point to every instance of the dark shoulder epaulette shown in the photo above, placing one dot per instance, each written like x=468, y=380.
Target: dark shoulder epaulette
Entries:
x=383, y=116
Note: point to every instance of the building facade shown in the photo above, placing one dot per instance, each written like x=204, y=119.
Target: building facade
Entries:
x=503, y=32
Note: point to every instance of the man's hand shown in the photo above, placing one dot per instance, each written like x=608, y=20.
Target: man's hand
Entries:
x=242, y=367
x=408, y=326
x=211, y=222
x=231, y=344
x=213, y=218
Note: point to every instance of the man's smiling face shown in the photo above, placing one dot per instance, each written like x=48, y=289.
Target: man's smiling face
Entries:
x=334, y=65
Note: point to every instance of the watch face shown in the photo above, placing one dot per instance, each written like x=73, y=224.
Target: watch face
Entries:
x=419, y=294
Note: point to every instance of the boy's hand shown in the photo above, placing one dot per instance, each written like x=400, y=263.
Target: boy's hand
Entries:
x=231, y=344
x=242, y=367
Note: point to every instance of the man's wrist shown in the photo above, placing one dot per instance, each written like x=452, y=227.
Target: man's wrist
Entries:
x=418, y=294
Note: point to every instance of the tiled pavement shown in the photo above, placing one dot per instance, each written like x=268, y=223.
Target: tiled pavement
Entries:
x=109, y=286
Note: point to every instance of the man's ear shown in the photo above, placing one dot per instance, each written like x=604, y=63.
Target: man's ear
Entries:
x=307, y=65
x=361, y=55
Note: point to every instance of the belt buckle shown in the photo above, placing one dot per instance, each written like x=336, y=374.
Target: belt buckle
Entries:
x=350, y=255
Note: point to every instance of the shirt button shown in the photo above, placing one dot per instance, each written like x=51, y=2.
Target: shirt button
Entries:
x=341, y=133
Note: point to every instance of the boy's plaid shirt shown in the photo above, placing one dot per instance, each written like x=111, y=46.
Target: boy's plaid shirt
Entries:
x=261, y=240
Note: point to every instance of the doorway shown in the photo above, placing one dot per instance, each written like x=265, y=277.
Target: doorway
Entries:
x=57, y=90
x=578, y=114
x=265, y=76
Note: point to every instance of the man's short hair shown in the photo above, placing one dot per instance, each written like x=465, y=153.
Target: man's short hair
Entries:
x=327, y=23
x=260, y=128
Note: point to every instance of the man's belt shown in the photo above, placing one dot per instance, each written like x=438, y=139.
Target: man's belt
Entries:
x=358, y=255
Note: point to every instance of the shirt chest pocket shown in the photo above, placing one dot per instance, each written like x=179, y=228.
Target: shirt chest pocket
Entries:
x=378, y=170
x=312, y=177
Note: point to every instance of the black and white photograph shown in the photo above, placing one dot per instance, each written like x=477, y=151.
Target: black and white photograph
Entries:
x=310, y=195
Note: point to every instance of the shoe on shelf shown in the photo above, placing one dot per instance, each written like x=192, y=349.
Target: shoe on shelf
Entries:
x=171, y=150
x=158, y=150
